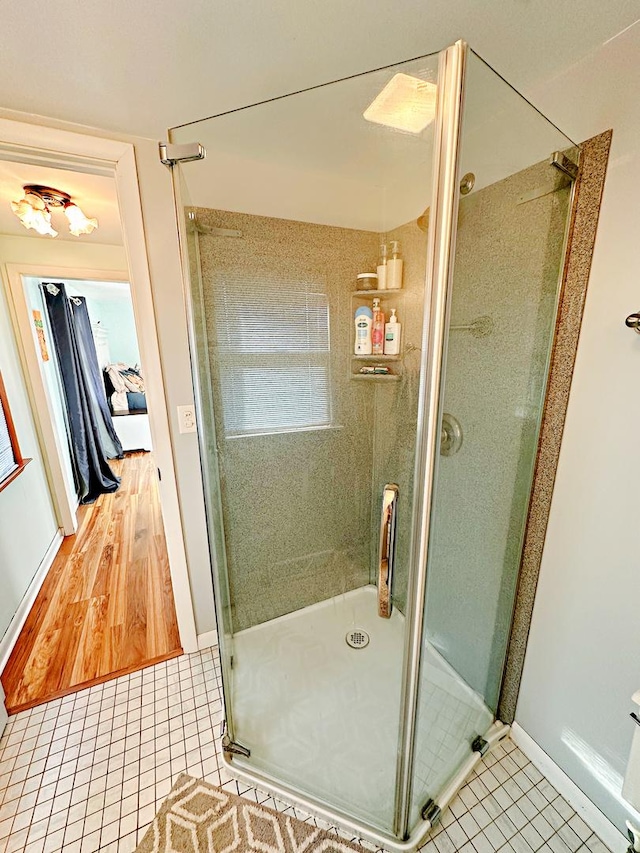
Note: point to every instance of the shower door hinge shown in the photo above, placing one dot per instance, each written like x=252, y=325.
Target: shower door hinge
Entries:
x=431, y=811
x=480, y=745
x=230, y=747
x=172, y=154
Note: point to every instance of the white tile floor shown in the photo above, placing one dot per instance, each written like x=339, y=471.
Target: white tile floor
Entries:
x=88, y=772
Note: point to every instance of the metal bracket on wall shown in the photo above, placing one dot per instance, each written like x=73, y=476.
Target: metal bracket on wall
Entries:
x=563, y=164
x=172, y=154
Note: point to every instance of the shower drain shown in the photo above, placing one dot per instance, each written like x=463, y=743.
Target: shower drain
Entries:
x=357, y=639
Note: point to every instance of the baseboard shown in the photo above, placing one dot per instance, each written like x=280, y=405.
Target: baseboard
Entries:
x=12, y=633
x=208, y=639
x=590, y=813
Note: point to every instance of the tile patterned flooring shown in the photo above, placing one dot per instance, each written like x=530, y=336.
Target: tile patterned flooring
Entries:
x=89, y=771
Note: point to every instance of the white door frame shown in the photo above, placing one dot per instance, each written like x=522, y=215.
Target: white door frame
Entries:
x=64, y=149
x=64, y=497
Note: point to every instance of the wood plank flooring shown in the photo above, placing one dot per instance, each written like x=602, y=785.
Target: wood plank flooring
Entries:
x=106, y=606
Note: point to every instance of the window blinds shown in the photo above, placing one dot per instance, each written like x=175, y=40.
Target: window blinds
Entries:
x=272, y=340
x=7, y=458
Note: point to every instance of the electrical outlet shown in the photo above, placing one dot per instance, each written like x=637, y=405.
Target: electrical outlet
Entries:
x=186, y=419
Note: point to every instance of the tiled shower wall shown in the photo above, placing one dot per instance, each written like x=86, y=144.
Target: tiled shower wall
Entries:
x=507, y=267
x=301, y=510
x=296, y=505
x=396, y=407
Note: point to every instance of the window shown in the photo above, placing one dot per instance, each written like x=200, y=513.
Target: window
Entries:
x=273, y=354
x=11, y=461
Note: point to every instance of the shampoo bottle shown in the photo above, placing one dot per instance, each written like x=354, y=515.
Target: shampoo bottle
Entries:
x=364, y=322
x=394, y=268
x=382, y=268
x=377, y=330
x=392, y=335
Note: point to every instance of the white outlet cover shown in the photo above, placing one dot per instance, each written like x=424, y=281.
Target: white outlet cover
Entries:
x=186, y=419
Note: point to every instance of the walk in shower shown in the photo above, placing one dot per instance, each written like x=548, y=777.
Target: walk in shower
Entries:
x=366, y=512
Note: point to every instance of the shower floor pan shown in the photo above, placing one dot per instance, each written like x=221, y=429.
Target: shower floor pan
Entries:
x=321, y=716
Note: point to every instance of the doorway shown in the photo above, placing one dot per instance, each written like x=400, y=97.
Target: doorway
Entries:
x=106, y=606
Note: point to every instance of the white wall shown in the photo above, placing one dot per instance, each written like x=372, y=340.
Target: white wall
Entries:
x=583, y=658
x=27, y=518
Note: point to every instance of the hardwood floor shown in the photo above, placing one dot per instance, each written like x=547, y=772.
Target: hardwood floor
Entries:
x=106, y=606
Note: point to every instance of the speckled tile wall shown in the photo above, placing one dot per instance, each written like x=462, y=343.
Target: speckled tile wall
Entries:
x=577, y=266
x=507, y=268
x=296, y=505
x=396, y=406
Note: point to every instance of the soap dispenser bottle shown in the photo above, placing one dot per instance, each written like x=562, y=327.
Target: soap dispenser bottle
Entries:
x=377, y=330
x=364, y=322
x=394, y=268
x=392, y=335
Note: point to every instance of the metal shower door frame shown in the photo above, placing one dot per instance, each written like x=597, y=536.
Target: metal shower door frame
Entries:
x=438, y=281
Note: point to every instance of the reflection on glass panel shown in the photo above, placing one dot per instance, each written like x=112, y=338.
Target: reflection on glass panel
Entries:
x=508, y=262
x=294, y=201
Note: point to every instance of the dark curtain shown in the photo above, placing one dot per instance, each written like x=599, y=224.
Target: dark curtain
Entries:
x=89, y=361
x=86, y=418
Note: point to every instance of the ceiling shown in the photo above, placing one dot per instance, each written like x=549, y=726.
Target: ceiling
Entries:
x=312, y=156
x=143, y=67
x=95, y=194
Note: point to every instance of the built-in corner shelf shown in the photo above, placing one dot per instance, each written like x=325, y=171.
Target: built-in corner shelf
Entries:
x=385, y=292
x=377, y=377
x=388, y=299
x=377, y=358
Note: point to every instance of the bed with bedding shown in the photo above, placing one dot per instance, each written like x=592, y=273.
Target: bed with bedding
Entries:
x=127, y=399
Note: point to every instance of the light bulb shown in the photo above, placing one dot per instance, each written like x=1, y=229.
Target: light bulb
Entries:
x=36, y=217
x=78, y=222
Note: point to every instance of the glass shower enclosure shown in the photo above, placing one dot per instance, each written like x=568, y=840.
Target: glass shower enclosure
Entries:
x=366, y=509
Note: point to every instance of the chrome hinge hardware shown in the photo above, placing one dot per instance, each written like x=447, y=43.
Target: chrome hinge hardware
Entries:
x=480, y=745
x=431, y=811
x=172, y=154
x=230, y=747
x=563, y=164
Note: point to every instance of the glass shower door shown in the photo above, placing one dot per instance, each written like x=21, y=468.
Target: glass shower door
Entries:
x=301, y=434
x=363, y=716
x=507, y=266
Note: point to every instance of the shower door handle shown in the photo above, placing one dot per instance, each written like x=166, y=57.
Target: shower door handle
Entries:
x=387, y=550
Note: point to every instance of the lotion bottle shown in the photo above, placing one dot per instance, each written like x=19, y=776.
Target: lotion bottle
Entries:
x=364, y=322
x=394, y=268
x=382, y=268
x=392, y=335
x=377, y=331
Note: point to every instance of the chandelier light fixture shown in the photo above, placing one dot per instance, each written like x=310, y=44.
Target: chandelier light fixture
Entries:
x=34, y=211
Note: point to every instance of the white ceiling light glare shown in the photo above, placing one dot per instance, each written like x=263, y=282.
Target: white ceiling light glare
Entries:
x=406, y=103
x=34, y=211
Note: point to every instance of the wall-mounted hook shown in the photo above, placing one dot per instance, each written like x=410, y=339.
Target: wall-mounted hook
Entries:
x=633, y=322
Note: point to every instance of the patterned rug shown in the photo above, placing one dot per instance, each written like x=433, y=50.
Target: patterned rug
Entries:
x=199, y=818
